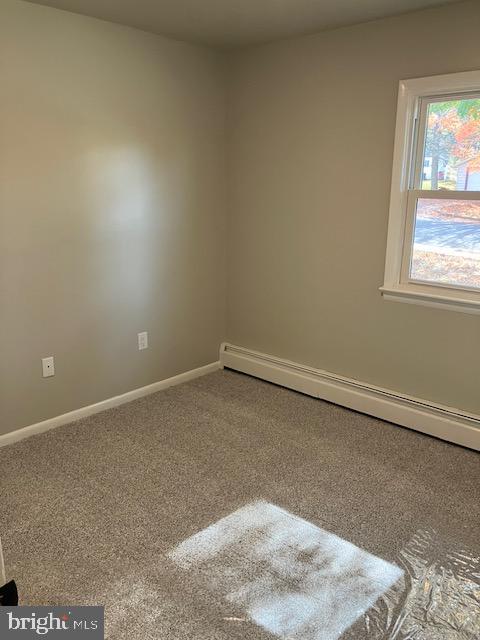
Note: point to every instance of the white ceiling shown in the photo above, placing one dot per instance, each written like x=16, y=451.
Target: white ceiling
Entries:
x=228, y=23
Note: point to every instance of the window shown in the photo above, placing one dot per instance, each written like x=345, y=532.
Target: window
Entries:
x=433, y=247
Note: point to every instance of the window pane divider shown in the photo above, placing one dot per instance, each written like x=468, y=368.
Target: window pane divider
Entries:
x=444, y=194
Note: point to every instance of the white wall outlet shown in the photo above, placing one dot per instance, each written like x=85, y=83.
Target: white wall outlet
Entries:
x=48, y=367
x=143, y=340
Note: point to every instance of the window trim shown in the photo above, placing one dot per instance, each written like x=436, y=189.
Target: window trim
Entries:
x=400, y=214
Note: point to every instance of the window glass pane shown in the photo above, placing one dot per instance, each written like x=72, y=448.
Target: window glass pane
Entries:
x=446, y=245
x=451, y=157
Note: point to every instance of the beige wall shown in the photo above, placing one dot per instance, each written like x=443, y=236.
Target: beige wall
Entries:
x=113, y=188
x=111, y=209
x=311, y=140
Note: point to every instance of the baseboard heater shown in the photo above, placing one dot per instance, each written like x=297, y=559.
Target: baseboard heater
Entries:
x=447, y=423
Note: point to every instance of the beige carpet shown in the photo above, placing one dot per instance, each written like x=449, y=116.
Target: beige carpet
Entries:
x=92, y=512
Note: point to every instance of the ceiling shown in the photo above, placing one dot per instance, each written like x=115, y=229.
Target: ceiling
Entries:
x=229, y=23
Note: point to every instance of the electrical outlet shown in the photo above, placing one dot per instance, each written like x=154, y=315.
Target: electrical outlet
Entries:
x=48, y=367
x=143, y=340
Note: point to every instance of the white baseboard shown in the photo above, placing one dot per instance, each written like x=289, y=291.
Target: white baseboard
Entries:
x=115, y=401
x=437, y=420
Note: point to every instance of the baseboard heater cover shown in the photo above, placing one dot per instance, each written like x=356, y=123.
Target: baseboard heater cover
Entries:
x=447, y=423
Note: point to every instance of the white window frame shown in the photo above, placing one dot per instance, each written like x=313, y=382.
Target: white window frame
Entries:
x=403, y=196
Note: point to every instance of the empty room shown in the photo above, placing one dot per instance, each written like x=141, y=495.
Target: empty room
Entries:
x=240, y=319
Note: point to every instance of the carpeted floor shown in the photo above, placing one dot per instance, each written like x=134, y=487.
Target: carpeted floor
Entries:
x=91, y=512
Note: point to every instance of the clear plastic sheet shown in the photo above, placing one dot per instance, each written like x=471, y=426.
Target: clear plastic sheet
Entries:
x=299, y=582
x=438, y=597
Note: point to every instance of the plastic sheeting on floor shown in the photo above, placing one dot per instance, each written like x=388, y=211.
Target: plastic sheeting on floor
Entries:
x=437, y=597
x=300, y=582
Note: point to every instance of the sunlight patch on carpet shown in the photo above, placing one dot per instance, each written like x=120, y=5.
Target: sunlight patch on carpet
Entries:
x=290, y=577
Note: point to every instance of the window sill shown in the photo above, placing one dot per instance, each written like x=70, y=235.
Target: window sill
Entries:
x=413, y=294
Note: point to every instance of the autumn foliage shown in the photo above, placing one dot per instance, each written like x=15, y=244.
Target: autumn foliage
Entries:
x=453, y=132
